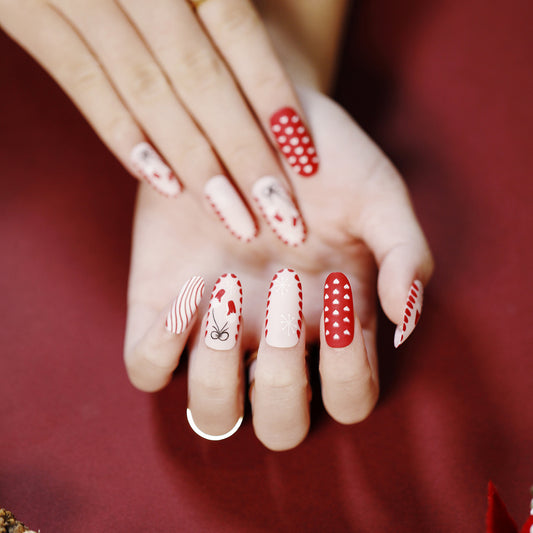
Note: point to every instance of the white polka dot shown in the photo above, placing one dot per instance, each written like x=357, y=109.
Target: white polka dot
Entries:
x=335, y=291
x=336, y=337
x=284, y=119
x=308, y=168
x=294, y=141
x=286, y=149
x=346, y=332
x=299, y=150
x=303, y=160
x=327, y=332
x=289, y=130
x=276, y=128
x=345, y=308
x=326, y=319
x=297, y=168
x=310, y=150
x=301, y=129
x=305, y=140
x=295, y=119
x=292, y=160
x=282, y=139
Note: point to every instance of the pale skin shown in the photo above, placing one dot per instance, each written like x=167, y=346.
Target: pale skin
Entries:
x=358, y=214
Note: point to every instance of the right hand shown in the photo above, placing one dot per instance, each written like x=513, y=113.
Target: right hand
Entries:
x=185, y=94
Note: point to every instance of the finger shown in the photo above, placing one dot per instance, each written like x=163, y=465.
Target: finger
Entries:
x=216, y=383
x=280, y=401
x=209, y=92
x=262, y=78
x=389, y=226
x=349, y=380
x=151, y=355
x=151, y=100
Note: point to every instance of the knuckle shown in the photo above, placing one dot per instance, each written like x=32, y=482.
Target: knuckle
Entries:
x=83, y=78
x=146, y=83
x=198, y=69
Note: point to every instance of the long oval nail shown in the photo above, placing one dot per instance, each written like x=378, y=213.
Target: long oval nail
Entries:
x=147, y=162
x=411, y=314
x=224, y=313
x=338, y=311
x=283, y=321
x=279, y=210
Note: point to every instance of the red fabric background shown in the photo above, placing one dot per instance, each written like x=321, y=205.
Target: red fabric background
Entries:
x=445, y=87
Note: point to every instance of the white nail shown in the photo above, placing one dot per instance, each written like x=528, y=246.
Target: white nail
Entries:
x=230, y=208
x=411, y=315
x=224, y=313
x=153, y=169
x=283, y=323
x=279, y=210
x=184, y=306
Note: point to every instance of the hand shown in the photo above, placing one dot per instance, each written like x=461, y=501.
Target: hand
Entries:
x=359, y=214
x=185, y=94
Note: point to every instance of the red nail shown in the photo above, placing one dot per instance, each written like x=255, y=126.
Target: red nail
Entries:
x=338, y=311
x=294, y=141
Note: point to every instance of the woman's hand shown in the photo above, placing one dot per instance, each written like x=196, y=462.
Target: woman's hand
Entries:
x=358, y=213
x=188, y=95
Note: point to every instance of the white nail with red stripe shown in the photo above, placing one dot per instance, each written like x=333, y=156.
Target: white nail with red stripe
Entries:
x=147, y=162
x=224, y=314
x=185, y=305
x=411, y=315
x=229, y=207
x=283, y=322
x=279, y=210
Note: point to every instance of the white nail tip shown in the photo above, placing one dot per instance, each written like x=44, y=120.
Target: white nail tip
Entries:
x=283, y=323
x=205, y=435
x=279, y=210
x=224, y=313
x=184, y=306
x=229, y=207
x=153, y=169
x=412, y=312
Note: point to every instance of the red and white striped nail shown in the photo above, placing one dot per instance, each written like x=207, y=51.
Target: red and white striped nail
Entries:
x=338, y=311
x=294, y=141
x=230, y=208
x=284, y=316
x=279, y=210
x=224, y=314
x=185, y=305
x=149, y=165
x=411, y=314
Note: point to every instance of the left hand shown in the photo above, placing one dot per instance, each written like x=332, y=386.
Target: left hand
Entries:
x=358, y=214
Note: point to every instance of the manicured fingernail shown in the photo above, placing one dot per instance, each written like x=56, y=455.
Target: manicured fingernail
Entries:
x=229, y=207
x=411, y=315
x=224, y=313
x=185, y=305
x=283, y=322
x=338, y=311
x=294, y=141
x=153, y=169
x=279, y=210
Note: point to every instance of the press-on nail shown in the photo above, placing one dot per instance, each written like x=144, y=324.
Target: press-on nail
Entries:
x=224, y=313
x=294, y=141
x=153, y=169
x=279, y=210
x=229, y=207
x=411, y=315
x=338, y=311
x=283, y=322
x=185, y=305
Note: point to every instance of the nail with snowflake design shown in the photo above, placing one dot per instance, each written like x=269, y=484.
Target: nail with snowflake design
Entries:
x=224, y=314
x=284, y=316
x=411, y=314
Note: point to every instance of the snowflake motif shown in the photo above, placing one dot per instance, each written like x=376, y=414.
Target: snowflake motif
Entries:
x=282, y=285
x=289, y=323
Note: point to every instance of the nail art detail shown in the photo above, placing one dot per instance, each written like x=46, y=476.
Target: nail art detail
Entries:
x=185, y=305
x=294, y=141
x=224, y=313
x=279, y=210
x=338, y=311
x=153, y=169
x=411, y=315
x=283, y=322
x=230, y=208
